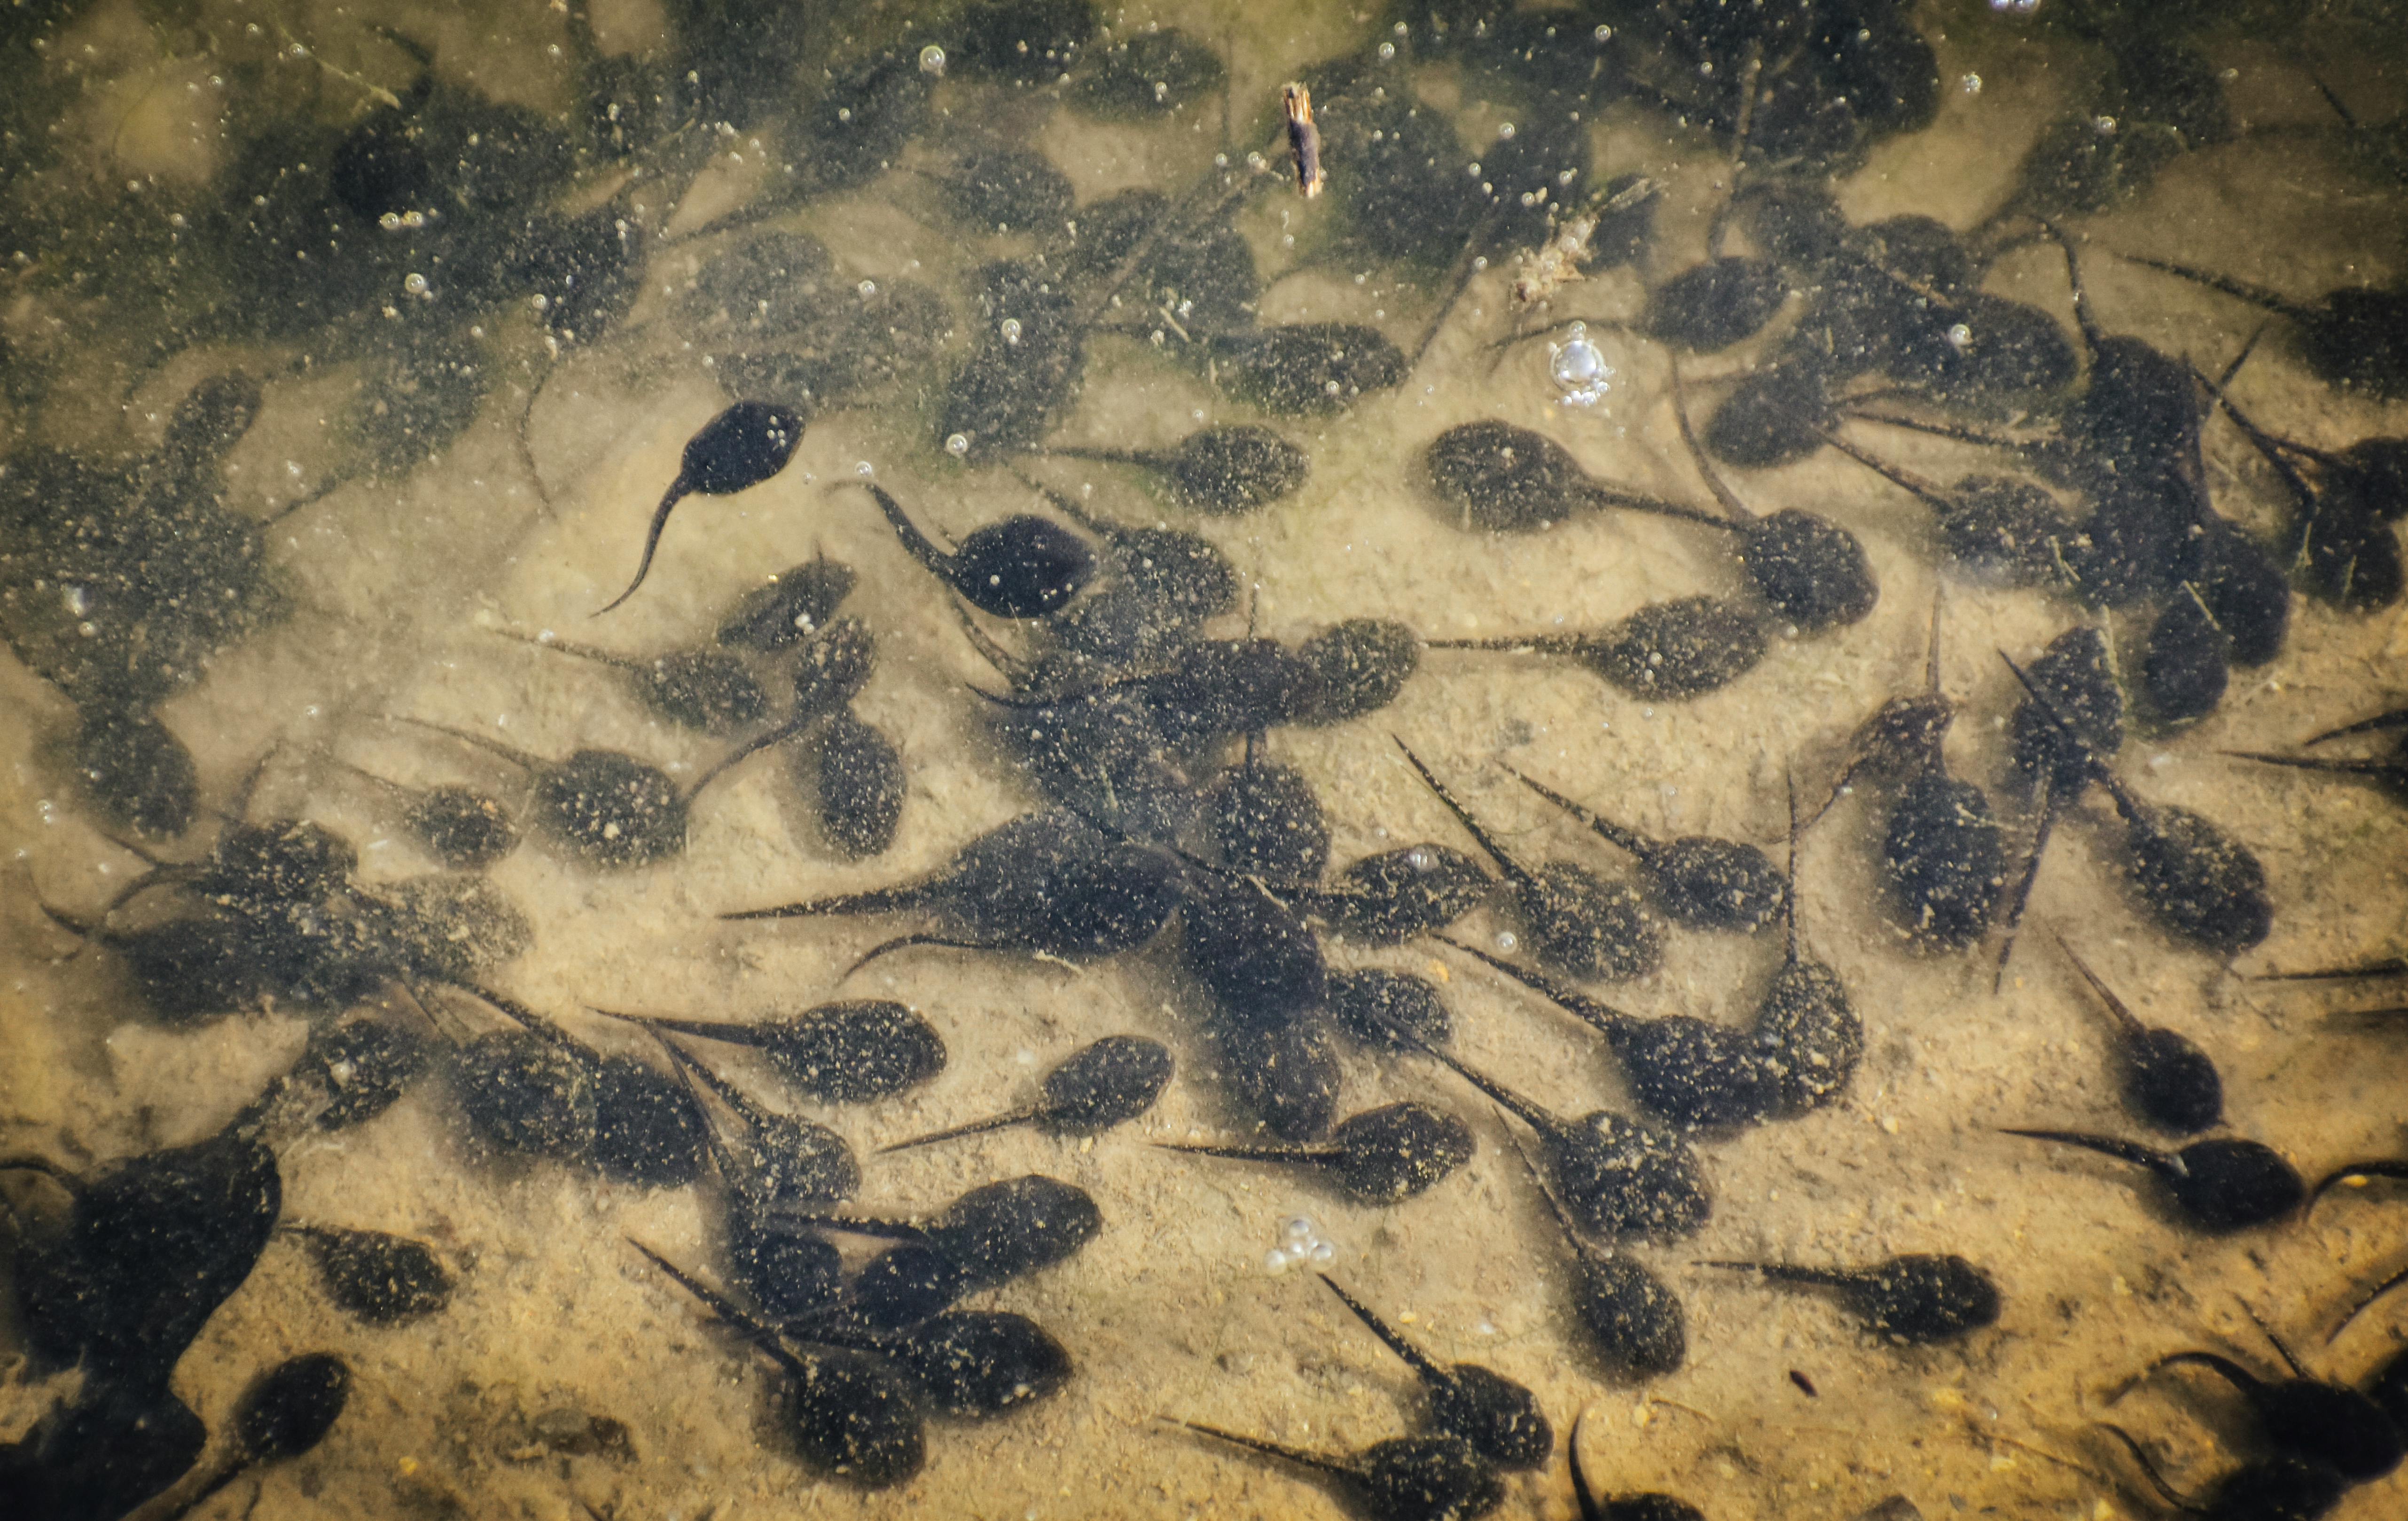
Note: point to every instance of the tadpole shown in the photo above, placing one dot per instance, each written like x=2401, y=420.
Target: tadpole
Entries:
x=466, y=829
x=1675, y=650
x=1046, y=883
x=1616, y=1176
x=2308, y=1418
x=1379, y=1156
x=2168, y=1081
x=1020, y=567
x=1223, y=469
x=1691, y=1072
x=2198, y=880
x=1389, y=898
x=706, y=689
x=738, y=449
x=1499, y=1418
x=1701, y=882
x=1918, y=1297
x=845, y=1412
x=2355, y=336
x=792, y=607
x=2220, y=1186
x=1575, y=920
x=852, y=1052
x=1095, y=1087
x=282, y=1414
x=1440, y=1478
x=1634, y=1322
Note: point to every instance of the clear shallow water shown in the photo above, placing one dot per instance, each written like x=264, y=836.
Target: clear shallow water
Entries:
x=511, y=494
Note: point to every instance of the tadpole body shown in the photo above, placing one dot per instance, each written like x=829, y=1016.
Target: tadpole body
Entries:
x=1380, y=1156
x=738, y=449
x=2218, y=1186
x=1919, y=1298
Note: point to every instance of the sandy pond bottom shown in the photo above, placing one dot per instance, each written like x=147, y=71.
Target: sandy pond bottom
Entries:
x=1173, y=1311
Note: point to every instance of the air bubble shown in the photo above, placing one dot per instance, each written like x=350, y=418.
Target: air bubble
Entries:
x=1387, y=50
x=1009, y=328
x=865, y=469
x=958, y=445
x=932, y=59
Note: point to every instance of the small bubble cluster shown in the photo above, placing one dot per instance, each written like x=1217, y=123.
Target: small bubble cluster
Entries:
x=1300, y=1243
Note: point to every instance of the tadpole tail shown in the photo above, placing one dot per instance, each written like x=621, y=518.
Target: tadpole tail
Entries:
x=2215, y=1362
x=2125, y=1018
x=724, y=1309
x=1607, y=1020
x=1897, y=475
x=2051, y=805
x=1581, y=1494
x=1527, y=1112
x=1294, y=1455
x=778, y=733
x=2387, y=967
x=2125, y=1151
x=2157, y=1481
x=904, y=942
x=1418, y=1360
x=1732, y=506
x=2367, y=1302
x=2358, y=1171
x=1789, y=1272
x=876, y=900
x=47, y=1168
x=1497, y=853
x=2377, y=766
x=1633, y=501
x=1253, y=1154
x=508, y=752
x=919, y=545
x=1548, y=644
x=850, y=1225
x=1938, y=430
x=651, y=543
x=975, y=1128
x=709, y=1029
x=2396, y=719
x=1604, y=828
x=1109, y=456
x=2256, y=296
x=230, y=1467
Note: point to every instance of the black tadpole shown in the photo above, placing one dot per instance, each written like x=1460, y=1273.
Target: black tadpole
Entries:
x=795, y=1161
x=2220, y=1186
x=1022, y=567
x=845, y=1412
x=2308, y=1418
x=1634, y=1323
x=2054, y=758
x=1500, y=1418
x=1438, y=1478
x=2201, y=882
x=1227, y=468
x=286, y=1412
x=1098, y=1086
x=1807, y=569
x=466, y=829
x=1381, y=1155
x=1576, y=920
x=1917, y=1297
x=1675, y=650
x=1703, y=882
x=850, y=1051
x=2353, y=336
x=1615, y=1176
x=2168, y=1081
x=1392, y=896
x=740, y=448
x=707, y=689
x=1691, y=1072
x=1999, y=530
